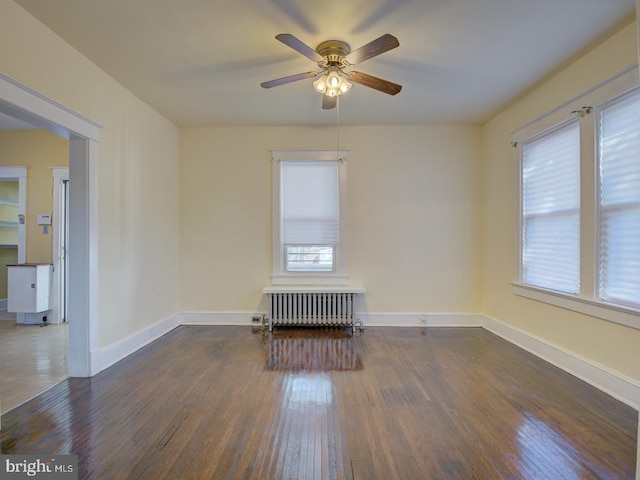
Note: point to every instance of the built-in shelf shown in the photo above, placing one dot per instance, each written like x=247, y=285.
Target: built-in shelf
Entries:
x=9, y=224
x=7, y=201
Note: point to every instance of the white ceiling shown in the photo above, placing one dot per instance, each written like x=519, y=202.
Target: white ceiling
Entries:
x=200, y=62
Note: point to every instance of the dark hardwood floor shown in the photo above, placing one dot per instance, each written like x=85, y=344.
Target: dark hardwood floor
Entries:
x=389, y=403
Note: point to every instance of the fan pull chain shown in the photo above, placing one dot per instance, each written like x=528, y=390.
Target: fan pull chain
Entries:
x=338, y=128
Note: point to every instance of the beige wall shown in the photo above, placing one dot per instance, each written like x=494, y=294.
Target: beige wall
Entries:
x=608, y=344
x=431, y=209
x=413, y=196
x=137, y=177
x=37, y=150
x=8, y=256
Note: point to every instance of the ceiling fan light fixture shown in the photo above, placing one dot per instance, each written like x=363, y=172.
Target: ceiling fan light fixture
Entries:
x=345, y=86
x=333, y=83
x=321, y=84
x=334, y=79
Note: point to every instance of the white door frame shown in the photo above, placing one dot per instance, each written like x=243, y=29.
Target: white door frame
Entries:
x=27, y=105
x=60, y=175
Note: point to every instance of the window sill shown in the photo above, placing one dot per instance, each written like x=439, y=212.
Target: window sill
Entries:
x=309, y=279
x=357, y=289
x=613, y=313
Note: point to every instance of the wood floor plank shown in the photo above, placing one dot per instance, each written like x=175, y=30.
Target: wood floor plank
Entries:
x=240, y=403
x=32, y=359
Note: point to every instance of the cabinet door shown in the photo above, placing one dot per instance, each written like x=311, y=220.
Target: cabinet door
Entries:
x=22, y=290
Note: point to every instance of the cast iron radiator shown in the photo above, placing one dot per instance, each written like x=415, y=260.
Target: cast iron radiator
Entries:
x=310, y=306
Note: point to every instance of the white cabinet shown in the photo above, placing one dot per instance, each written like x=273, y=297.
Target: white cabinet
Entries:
x=29, y=288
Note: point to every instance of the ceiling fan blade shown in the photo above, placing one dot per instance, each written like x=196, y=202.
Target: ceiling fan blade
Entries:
x=291, y=78
x=374, y=82
x=300, y=47
x=380, y=45
x=329, y=102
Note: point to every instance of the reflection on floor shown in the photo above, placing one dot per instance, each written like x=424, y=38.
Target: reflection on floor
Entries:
x=32, y=360
x=427, y=403
x=312, y=350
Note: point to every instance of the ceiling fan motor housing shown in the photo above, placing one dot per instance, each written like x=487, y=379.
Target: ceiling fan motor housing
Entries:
x=334, y=51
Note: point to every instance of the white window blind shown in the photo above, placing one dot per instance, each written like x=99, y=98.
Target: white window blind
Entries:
x=620, y=201
x=310, y=214
x=551, y=210
x=310, y=203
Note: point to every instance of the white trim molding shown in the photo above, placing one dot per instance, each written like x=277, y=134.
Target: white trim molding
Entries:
x=28, y=105
x=419, y=319
x=302, y=279
x=623, y=388
x=107, y=356
x=378, y=319
x=219, y=318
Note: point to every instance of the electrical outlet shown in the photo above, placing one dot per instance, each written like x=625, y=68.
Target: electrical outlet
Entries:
x=256, y=319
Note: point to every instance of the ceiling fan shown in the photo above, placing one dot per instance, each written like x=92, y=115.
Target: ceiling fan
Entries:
x=332, y=57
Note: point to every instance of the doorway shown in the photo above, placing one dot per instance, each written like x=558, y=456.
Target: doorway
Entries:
x=22, y=103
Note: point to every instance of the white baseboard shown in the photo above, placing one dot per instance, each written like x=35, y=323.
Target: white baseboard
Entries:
x=218, y=318
x=107, y=356
x=385, y=319
x=416, y=319
x=625, y=389
x=4, y=315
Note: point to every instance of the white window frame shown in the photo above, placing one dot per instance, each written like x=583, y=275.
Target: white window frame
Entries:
x=586, y=107
x=339, y=275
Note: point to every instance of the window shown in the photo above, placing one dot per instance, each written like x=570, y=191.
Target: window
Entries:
x=310, y=220
x=309, y=217
x=579, y=194
x=619, y=172
x=551, y=210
